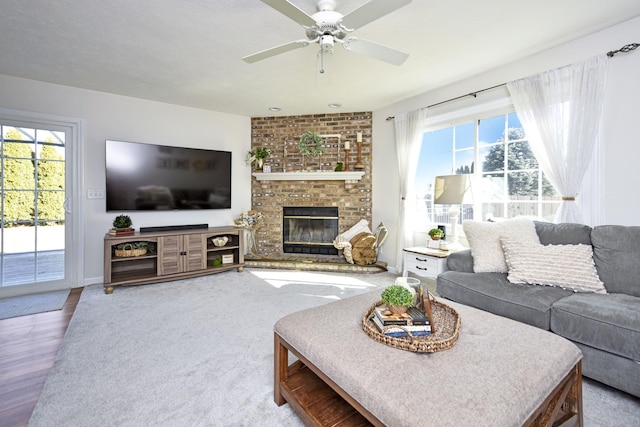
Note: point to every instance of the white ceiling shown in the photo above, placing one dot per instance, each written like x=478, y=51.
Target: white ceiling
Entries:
x=188, y=52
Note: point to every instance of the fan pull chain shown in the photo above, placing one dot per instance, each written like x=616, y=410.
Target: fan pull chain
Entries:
x=321, y=61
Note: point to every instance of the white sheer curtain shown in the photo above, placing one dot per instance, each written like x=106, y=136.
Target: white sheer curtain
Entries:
x=562, y=113
x=409, y=128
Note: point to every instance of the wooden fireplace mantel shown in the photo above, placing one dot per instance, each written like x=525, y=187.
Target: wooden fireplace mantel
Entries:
x=309, y=176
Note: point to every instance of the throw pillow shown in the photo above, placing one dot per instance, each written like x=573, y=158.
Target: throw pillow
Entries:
x=484, y=239
x=565, y=266
x=360, y=227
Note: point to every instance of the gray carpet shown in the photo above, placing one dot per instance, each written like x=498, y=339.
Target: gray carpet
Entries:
x=199, y=352
x=32, y=304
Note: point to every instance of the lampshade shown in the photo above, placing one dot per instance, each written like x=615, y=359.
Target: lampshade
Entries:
x=452, y=190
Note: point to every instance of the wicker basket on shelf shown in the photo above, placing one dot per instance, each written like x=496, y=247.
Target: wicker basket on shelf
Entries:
x=128, y=250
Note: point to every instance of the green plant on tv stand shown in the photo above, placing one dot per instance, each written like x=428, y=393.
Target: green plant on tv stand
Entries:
x=122, y=221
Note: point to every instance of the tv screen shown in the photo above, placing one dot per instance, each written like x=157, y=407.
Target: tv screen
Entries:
x=146, y=177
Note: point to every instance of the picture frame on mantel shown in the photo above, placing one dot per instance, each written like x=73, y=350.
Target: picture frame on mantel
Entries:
x=338, y=145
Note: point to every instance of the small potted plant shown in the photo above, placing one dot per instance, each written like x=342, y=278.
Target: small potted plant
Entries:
x=258, y=155
x=397, y=298
x=122, y=223
x=436, y=234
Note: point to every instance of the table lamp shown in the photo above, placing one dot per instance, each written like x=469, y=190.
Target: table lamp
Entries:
x=453, y=190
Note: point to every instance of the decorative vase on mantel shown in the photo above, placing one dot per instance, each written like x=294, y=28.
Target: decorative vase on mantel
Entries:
x=257, y=156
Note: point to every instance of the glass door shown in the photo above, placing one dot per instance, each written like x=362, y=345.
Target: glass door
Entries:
x=35, y=209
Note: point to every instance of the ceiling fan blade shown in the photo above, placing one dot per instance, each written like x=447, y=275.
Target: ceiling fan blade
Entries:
x=375, y=50
x=268, y=53
x=371, y=11
x=291, y=11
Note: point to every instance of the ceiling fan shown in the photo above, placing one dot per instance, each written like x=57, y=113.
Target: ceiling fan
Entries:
x=328, y=27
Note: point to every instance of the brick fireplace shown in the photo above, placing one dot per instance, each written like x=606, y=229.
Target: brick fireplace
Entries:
x=351, y=197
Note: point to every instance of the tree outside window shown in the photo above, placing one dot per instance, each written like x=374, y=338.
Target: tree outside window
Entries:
x=32, y=179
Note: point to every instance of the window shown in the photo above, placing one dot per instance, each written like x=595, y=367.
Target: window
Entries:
x=507, y=179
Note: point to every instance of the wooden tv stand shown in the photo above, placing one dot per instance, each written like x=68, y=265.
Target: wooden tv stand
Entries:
x=173, y=255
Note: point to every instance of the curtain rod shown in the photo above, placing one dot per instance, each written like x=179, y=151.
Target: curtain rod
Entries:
x=624, y=49
x=474, y=94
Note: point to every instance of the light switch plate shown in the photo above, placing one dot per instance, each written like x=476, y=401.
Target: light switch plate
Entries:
x=93, y=193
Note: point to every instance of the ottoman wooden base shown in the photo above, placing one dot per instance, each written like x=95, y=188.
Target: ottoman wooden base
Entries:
x=563, y=407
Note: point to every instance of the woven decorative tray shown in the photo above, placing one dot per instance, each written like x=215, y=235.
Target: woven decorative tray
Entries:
x=447, y=329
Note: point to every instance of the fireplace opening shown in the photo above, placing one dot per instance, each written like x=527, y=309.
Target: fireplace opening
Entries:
x=309, y=230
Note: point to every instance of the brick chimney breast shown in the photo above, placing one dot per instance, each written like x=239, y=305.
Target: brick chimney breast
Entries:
x=282, y=136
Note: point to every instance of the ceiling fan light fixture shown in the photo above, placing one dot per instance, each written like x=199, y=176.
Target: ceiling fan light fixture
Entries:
x=328, y=26
x=326, y=43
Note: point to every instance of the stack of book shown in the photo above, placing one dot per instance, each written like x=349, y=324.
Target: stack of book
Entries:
x=121, y=231
x=414, y=321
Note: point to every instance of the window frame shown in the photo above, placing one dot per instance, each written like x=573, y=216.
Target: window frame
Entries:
x=499, y=106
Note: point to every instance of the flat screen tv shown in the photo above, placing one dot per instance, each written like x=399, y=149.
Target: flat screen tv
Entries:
x=147, y=177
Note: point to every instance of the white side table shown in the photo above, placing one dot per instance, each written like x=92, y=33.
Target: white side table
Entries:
x=425, y=262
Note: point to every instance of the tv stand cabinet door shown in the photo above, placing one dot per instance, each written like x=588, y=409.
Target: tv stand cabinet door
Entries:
x=169, y=255
x=194, y=252
x=181, y=254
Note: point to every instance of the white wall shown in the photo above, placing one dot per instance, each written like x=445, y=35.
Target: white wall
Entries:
x=106, y=116
x=622, y=140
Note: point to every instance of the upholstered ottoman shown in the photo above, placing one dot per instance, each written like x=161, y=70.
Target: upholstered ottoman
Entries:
x=499, y=373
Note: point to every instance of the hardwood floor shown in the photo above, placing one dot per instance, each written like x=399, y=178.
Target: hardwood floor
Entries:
x=28, y=348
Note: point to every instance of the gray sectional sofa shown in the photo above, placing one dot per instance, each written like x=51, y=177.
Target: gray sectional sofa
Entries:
x=606, y=327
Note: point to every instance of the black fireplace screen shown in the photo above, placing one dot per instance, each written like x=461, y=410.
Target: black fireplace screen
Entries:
x=309, y=230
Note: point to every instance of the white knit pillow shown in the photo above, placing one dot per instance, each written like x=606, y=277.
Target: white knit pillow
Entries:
x=359, y=227
x=484, y=239
x=565, y=266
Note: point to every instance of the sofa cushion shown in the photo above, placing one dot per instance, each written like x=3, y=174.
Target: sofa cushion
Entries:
x=494, y=293
x=484, y=239
x=616, y=251
x=460, y=261
x=566, y=266
x=606, y=322
x=563, y=234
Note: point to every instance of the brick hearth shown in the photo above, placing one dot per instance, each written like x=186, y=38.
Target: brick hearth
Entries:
x=282, y=135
